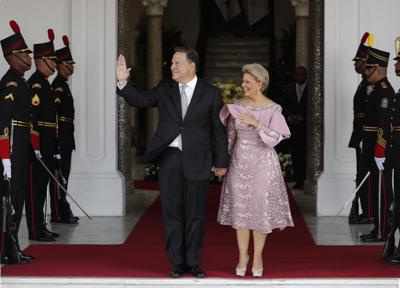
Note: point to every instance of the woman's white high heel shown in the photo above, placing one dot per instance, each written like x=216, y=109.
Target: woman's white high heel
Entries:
x=242, y=271
x=257, y=272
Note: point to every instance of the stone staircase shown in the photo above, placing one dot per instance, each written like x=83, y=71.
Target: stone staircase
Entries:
x=225, y=57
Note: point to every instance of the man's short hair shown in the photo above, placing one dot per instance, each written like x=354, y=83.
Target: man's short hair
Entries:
x=191, y=55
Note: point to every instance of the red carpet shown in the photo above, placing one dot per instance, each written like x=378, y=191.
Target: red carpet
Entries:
x=289, y=254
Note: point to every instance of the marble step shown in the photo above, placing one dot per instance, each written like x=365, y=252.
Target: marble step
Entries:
x=77, y=282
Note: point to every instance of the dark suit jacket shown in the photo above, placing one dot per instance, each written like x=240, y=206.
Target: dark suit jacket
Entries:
x=293, y=107
x=204, y=137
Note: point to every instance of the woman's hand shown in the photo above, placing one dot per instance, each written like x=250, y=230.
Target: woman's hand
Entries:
x=249, y=119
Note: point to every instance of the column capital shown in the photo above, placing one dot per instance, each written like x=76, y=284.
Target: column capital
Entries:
x=154, y=7
x=301, y=7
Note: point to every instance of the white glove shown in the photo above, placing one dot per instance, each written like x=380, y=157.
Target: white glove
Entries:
x=379, y=163
x=37, y=153
x=57, y=156
x=7, y=167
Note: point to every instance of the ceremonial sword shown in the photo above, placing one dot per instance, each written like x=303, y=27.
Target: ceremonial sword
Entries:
x=61, y=186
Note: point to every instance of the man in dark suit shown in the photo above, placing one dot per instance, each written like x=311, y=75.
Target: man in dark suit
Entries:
x=296, y=113
x=189, y=143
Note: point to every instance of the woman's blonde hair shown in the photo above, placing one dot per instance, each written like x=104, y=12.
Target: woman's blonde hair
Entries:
x=258, y=72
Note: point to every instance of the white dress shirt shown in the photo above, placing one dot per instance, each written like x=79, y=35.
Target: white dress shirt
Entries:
x=299, y=91
x=190, y=86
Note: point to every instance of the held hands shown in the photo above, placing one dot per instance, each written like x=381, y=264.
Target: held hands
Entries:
x=219, y=172
x=379, y=163
x=122, y=71
x=248, y=119
x=6, y=167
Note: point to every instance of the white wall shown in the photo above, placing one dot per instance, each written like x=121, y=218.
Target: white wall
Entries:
x=92, y=28
x=345, y=23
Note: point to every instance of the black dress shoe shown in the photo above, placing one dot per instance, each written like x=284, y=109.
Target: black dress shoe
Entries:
x=361, y=219
x=20, y=260
x=22, y=254
x=177, y=271
x=365, y=220
x=373, y=233
x=372, y=238
x=42, y=237
x=70, y=220
x=25, y=258
x=48, y=233
x=394, y=259
x=197, y=271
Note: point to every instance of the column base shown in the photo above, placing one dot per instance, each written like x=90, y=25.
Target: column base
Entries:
x=98, y=195
x=334, y=190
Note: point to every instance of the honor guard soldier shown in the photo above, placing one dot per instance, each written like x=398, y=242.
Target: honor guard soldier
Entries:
x=45, y=146
x=377, y=134
x=394, y=154
x=61, y=210
x=15, y=130
x=356, y=139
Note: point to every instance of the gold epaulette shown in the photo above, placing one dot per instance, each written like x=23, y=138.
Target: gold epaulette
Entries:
x=36, y=85
x=12, y=83
x=396, y=128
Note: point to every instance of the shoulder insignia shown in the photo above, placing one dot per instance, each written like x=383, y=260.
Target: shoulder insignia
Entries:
x=35, y=100
x=36, y=85
x=59, y=89
x=384, y=85
x=12, y=83
x=57, y=100
x=9, y=96
x=385, y=103
x=5, y=131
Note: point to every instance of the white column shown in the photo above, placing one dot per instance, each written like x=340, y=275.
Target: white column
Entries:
x=345, y=23
x=301, y=10
x=95, y=181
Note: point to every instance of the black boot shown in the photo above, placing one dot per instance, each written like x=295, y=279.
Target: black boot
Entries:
x=395, y=259
x=12, y=254
x=388, y=250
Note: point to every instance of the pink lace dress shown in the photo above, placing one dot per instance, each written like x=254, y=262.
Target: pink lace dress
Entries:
x=254, y=194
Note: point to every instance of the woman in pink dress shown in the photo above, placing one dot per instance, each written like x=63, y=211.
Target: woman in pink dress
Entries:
x=254, y=196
